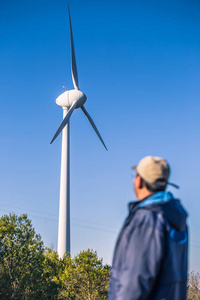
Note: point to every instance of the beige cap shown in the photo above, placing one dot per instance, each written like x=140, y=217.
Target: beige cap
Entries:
x=154, y=170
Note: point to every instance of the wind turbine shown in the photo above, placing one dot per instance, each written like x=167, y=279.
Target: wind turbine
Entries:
x=69, y=101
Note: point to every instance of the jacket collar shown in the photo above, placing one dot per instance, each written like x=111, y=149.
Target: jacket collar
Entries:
x=153, y=199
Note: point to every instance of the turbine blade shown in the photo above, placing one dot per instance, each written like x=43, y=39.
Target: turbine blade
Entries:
x=93, y=125
x=64, y=121
x=73, y=58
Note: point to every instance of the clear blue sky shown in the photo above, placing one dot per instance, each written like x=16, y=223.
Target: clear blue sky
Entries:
x=139, y=65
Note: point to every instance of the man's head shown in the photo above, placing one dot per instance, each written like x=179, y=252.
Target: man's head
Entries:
x=152, y=176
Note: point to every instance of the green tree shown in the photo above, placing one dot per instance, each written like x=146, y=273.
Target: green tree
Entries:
x=51, y=270
x=67, y=279
x=28, y=271
x=84, y=277
x=23, y=264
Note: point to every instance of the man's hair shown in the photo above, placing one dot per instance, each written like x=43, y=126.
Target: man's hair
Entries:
x=153, y=188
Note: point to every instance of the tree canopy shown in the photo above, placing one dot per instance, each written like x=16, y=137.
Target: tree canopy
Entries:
x=22, y=261
x=28, y=270
x=84, y=277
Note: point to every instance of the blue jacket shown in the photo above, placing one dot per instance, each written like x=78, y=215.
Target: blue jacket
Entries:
x=150, y=258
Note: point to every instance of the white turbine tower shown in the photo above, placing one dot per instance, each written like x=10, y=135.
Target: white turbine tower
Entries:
x=68, y=100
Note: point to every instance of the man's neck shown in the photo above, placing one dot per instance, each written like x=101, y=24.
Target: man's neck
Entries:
x=144, y=194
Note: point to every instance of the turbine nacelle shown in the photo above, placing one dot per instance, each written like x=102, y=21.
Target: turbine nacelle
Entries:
x=67, y=98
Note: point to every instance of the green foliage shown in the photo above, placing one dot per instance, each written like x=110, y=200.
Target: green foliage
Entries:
x=84, y=277
x=22, y=261
x=28, y=271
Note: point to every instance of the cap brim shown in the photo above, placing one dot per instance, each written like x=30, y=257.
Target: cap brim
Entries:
x=174, y=185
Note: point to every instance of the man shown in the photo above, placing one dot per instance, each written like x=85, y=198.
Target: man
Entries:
x=150, y=258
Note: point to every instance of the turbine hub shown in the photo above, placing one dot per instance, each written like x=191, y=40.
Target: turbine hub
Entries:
x=67, y=98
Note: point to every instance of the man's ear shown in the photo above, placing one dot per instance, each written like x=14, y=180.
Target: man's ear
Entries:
x=140, y=182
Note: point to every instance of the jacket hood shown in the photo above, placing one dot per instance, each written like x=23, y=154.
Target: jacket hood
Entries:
x=171, y=207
